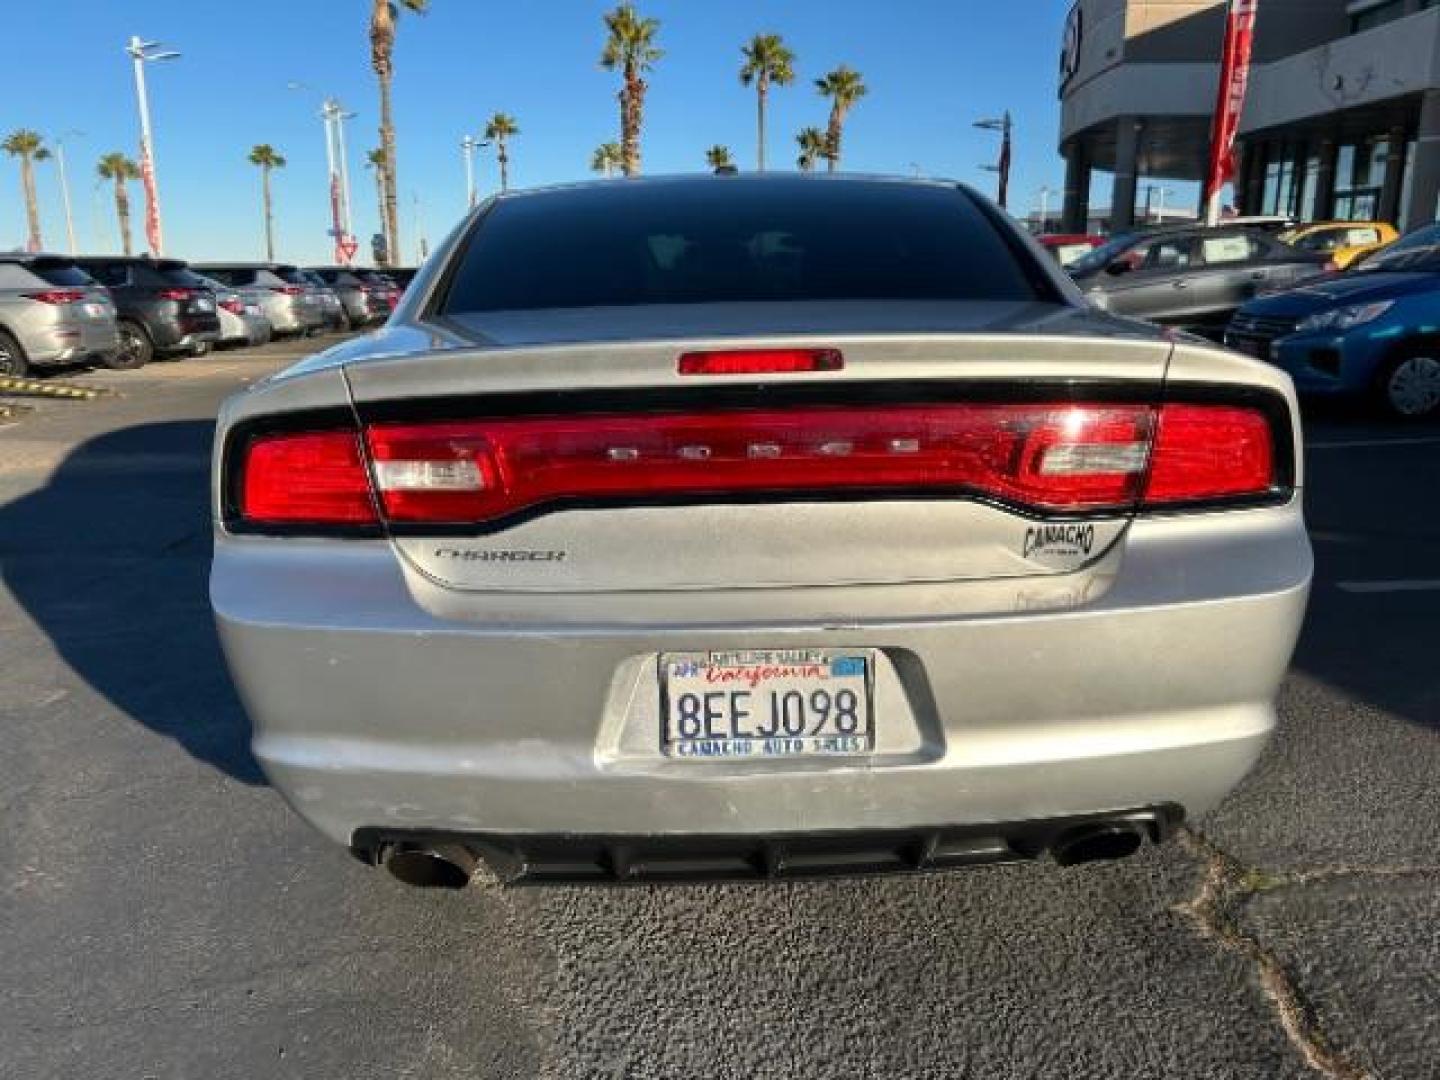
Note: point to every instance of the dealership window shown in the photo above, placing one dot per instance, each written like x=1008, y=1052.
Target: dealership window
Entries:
x=1279, y=181
x=1310, y=188
x=1359, y=176
x=1407, y=186
x=1289, y=179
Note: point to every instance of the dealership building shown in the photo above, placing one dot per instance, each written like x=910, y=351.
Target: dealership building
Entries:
x=1342, y=118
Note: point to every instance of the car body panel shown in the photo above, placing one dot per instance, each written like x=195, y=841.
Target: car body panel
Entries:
x=136, y=284
x=287, y=313
x=1180, y=279
x=1342, y=241
x=1349, y=362
x=55, y=333
x=391, y=689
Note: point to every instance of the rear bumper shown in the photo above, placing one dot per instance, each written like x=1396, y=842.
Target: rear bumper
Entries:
x=371, y=711
x=543, y=859
x=66, y=343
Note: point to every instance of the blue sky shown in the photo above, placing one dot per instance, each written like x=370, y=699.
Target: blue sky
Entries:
x=933, y=66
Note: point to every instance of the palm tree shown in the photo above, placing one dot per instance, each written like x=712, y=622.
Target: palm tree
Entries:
x=606, y=158
x=499, y=130
x=268, y=158
x=383, y=14
x=811, y=141
x=767, y=61
x=718, y=157
x=28, y=146
x=375, y=159
x=631, y=48
x=116, y=167
x=844, y=87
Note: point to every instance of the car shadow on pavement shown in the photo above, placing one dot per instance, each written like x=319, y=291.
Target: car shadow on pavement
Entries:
x=110, y=558
x=1375, y=528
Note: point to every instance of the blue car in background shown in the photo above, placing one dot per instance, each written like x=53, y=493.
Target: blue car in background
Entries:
x=1374, y=331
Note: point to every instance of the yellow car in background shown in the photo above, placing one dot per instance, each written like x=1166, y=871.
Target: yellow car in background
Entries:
x=1343, y=241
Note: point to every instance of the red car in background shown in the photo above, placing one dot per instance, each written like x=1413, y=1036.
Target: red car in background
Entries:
x=1067, y=247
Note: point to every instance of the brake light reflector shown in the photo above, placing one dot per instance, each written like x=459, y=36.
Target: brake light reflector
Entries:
x=176, y=294
x=288, y=290
x=311, y=478
x=57, y=296
x=760, y=361
x=1210, y=452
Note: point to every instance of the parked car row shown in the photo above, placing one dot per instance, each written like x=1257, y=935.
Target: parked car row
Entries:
x=125, y=311
x=1346, y=307
x=1373, y=331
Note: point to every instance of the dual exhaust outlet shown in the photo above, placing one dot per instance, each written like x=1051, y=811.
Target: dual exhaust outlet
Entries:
x=452, y=865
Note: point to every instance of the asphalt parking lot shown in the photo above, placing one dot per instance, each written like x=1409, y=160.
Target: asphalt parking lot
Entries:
x=165, y=915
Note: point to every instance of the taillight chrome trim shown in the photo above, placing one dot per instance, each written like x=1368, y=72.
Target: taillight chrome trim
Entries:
x=730, y=396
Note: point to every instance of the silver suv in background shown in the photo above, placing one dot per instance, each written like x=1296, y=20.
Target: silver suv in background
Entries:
x=242, y=322
x=289, y=302
x=331, y=307
x=52, y=312
x=368, y=296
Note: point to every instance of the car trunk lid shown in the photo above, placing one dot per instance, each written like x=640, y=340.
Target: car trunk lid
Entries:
x=644, y=478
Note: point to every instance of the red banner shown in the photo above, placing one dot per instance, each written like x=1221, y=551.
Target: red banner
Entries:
x=152, y=201
x=1234, y=81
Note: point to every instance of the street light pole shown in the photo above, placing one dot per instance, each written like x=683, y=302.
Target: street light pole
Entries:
x=340, y=117
x=468, y=145
x=141, y=53
x=333, y=115
x=59, y=141
x=1045, y=190
x=1004, y=126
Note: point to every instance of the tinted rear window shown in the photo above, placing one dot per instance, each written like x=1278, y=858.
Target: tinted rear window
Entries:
x=60, y=272
x=723, y=240
x=179, y=274
x=291, y=275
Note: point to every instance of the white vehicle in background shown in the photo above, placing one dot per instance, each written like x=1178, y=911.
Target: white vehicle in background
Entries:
x=242, y=320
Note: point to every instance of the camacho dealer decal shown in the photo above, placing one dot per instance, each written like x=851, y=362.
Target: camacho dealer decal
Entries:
x=1058, y=541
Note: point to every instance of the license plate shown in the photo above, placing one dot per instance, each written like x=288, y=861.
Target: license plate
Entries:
x=766, y=704
x=204, y=304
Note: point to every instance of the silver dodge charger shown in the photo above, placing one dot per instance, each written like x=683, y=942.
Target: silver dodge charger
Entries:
x=755, y=526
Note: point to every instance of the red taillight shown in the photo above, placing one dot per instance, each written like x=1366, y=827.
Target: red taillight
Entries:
x=58, y=296
x=1058, y=457
x=1047, y=458
x=177, y=294
x=760, y=361
x=1210, y=452
x=310, y=478
x=288, y=290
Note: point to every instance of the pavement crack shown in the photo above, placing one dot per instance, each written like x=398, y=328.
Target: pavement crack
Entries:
x=1215, y=908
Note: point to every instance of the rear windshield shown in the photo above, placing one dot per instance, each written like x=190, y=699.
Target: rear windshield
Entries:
x=60, y=272
x=180, y=274
x=1102, y=255
x=291, y=275
x=722, y=240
